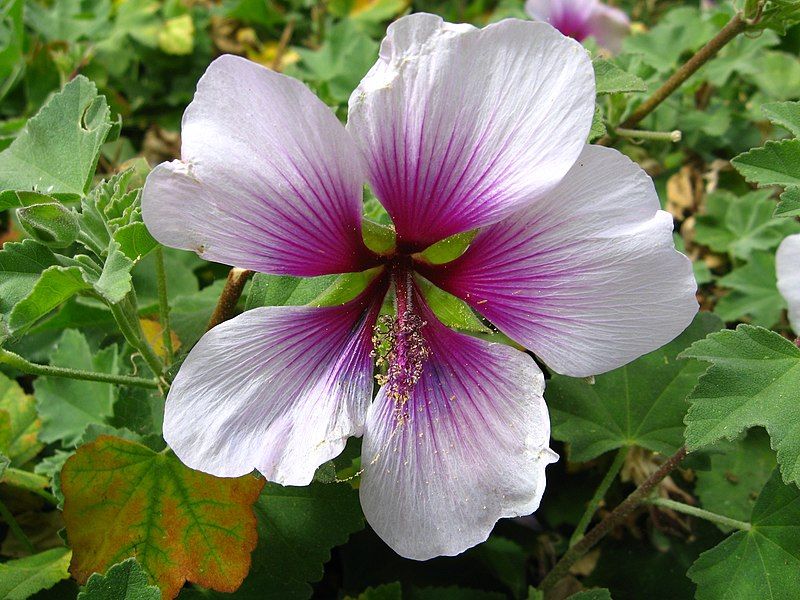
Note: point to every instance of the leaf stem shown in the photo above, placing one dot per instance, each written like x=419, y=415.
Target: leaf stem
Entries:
x=643, y=134
x=733, y=28
x=21, y=364
x=13, y=525
x=163, y=304
x=599, y=494
x=599, y=531
x=229, y=298
x=701, y=513
x=127, y=318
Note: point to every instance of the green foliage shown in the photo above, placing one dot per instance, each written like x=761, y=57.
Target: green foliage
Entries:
x=761, y=562
x=640, y=404
x=776, y=163
x=19, y=423
x=123, y=581
x=737, y=472
x=738, y=225
x=611, y=79
x=58, y=150
x=754, y=292
x=297, y=528
x=753, y=381
x=21, y=578
x=68, y=406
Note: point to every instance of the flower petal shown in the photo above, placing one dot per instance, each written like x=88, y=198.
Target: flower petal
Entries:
x=269, y=179
x=787, y=265
x=609, y=26
x=461, y=126
x=278, y=389
x=588, y=277
x=469, y=447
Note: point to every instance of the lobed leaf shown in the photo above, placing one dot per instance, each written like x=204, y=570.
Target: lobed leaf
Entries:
x=179, y=524
x=123, y=581
x=763, y=562
x=640, y=404
x=775, y=163
x=753, y=380
x=22, y=578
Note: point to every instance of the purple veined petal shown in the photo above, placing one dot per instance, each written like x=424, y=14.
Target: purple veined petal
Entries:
x=278, y=389
x=588, y=277
x=609, y=26
x=268, y=179
x=460, y=126
x=787, y=266
x=580, y=19
x=469, y=447
x=570, y=17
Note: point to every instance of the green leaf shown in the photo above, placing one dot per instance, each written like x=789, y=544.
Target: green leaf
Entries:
x=506, y=560
x=740, y=225
x=114, y=282
x=297, y=527
x=123, y=581
x=789, y=206
x=763, y=562
x=379, y=238
x=449, y=248
x=11, y=46
x=785, y=114
x=755, y=292
x=19, y=423
x=596, y=594
x=611, y=79
x=122, y=499
x=753, y=381
x=387, y=591
x=598, y=129
x=21, y=264
x=22, y=578
x=68, y=406
x=339, y=64
x=738, y=472
x=68, y=20
x=55, y=286
x=775, y=163
x=20, y=198
x=450, y=310
x=57, y=152
x=346, y=287
x=640, y=404
x=50, y=223
x=285, y=290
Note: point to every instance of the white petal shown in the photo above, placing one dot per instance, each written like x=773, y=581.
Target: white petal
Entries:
x=588, y=277
x=461, y=126
x=268, y=178
x=278, y=389
x=468, y=448
x=787, y=265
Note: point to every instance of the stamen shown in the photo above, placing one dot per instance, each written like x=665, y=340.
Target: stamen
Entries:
x=400, y=349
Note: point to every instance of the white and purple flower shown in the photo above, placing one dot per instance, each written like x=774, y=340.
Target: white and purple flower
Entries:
x=455, y=129
x=580, y=19
x=787, y=266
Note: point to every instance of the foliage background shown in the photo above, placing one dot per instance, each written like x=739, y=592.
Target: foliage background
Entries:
x=130, y=68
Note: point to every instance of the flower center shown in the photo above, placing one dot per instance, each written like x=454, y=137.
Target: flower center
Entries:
x=400, y=349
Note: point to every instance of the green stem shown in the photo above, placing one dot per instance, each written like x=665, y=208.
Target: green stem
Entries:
x=15, y=528
x=127, y=318
x=617, y=516
x=599, y=494
x=15, y=360
x=163, y=304
x=700, y=513
x=643, y=134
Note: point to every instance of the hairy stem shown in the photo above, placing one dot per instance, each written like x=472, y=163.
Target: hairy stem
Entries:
x=599, y=494
x=733, y=28
x=229, y=298
x=642, y=134
x=15, y=360
x=701, y=513
x=127, y=317
x=599, y=531
x=163, y=304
